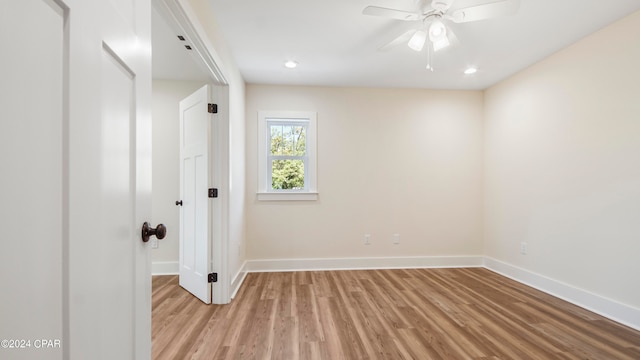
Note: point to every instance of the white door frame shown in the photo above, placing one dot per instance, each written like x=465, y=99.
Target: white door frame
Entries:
x=179, y=15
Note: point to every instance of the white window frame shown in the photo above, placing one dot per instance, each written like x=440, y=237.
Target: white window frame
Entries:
x=265, y=192
x=304, y=158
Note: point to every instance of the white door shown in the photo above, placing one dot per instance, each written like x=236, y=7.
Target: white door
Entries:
x=194, y=178
x=76, y=176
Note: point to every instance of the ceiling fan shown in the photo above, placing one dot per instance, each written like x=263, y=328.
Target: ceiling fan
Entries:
x=433, y=18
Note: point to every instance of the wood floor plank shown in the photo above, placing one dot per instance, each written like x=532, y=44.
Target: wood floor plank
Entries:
x=469, y=313
x=439, y=331
x=347, y=330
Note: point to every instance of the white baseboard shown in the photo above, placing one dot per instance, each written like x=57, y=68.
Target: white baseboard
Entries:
x=272, y=265
x=238, y=280
x=608, y=308
x=165, y=268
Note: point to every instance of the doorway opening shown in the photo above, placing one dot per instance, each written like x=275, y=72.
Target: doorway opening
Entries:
x=183, y=64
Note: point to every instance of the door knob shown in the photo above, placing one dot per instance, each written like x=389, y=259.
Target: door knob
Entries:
x=179, y=203
x=159, y=231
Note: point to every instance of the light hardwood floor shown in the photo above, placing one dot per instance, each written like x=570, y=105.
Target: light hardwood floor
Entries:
x=447, y=314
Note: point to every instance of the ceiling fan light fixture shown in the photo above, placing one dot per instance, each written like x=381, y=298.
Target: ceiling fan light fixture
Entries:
x=417, y=40
x=437, y=30
x=438, y=35
x=441, y=44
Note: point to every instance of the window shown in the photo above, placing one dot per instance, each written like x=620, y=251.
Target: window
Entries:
x=287, y=155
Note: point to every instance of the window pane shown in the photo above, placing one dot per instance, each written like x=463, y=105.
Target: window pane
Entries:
x=276, y=139
x=288, y=140
x=299, y=140
x=287, y=174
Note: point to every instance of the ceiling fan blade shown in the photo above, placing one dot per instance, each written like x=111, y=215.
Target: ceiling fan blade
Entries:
x=402, y=39
x=485, y=11
x=391, y=13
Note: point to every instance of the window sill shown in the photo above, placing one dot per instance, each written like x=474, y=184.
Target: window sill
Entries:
x=292, y=196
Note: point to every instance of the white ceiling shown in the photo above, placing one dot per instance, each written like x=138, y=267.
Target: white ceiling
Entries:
x=336, y=45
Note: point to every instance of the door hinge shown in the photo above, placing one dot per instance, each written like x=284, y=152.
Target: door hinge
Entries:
x=213, y=108
x=213, y=277
x=213, y=193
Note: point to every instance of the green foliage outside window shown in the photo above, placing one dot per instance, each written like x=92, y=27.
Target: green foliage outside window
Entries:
x=288, y=146
x=287, y=174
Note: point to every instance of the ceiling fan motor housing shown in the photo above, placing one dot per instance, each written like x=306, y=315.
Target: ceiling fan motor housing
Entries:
x=441, y=5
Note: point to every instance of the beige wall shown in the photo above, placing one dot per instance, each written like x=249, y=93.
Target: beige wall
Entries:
x=167, y=95
x=562, y=165
x=389, y=161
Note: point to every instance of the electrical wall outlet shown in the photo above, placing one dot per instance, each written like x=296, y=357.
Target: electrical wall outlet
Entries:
x=396, y=239
x=523, y=248
x=367, y=239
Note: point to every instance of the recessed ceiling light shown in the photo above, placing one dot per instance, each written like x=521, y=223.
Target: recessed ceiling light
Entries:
x=291, y=64
x=470, y=71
